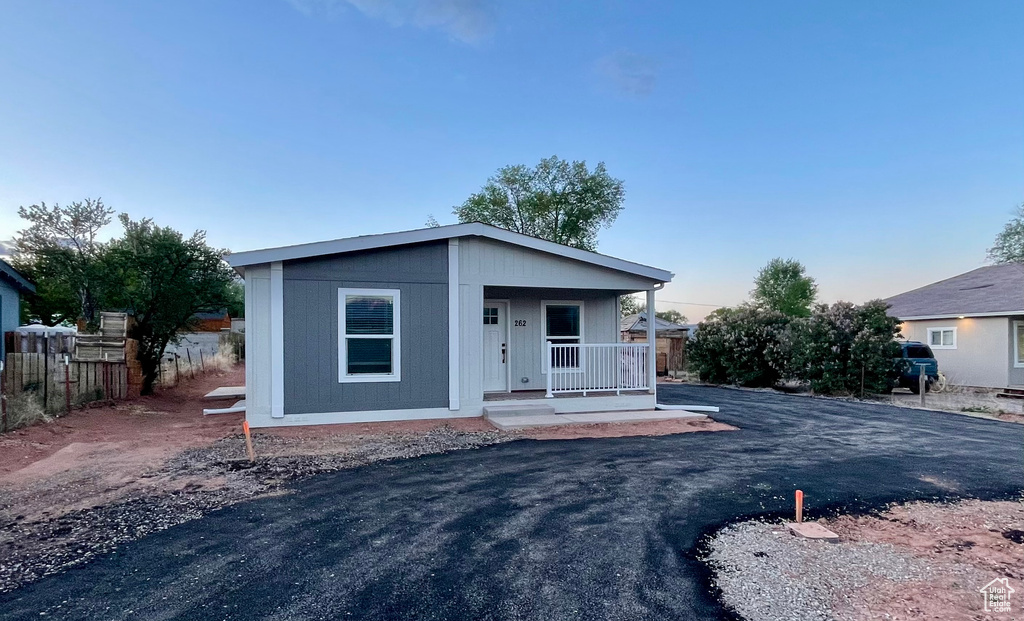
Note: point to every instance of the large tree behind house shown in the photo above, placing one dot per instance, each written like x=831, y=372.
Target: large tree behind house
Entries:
x=561, y=201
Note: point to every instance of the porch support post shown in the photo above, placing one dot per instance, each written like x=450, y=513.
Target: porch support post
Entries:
x=652, y=344
x=277, y=340
x=454, y=370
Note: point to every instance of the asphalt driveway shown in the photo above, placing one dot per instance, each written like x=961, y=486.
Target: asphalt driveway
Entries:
x=578, y=529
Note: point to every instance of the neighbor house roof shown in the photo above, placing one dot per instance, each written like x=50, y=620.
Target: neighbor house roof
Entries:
x=14, y=277
x=637, y=322
x=417, y=236
x=992, y=290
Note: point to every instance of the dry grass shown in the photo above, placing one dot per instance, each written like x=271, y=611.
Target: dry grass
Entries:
x=24, y=410
x=173, y=373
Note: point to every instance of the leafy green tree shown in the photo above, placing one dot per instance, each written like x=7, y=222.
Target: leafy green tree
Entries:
x=833, y=347
x=58, y=251
x=671, y=315
x=162, y=278
x=1009, y=244
x=557, y=200
x=742, y=346
x=235, y=293
x=630, y=305
x=784, y=286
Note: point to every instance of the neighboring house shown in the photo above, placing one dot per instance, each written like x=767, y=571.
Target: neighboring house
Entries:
x=973, y=322
x=438, y=323
x=211, y=321
x=12, y=285
x=670, y=339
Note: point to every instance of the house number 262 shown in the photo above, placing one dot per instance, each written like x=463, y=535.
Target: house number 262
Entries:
x=520, y=323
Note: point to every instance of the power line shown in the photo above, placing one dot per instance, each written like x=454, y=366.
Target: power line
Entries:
x=693, y=303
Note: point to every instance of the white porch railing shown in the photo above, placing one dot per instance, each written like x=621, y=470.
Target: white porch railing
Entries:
x=597, y=367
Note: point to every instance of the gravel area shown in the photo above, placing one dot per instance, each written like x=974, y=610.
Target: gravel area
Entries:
x=913, y=561
x=767, y=574
x=198, y=481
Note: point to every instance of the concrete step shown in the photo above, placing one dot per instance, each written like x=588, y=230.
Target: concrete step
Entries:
x=526, y=409
x=590, y=418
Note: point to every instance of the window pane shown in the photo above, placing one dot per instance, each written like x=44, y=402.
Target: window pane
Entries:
x=947, y=337
x=919, y=351
x=369, y=356
x=369, y=314
x=563, y=320
x=936, y=338
x=1020, y=344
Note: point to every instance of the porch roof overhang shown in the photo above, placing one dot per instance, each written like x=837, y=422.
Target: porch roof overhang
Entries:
x=240, y=260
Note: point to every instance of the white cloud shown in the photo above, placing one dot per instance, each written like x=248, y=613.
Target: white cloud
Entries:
x=469, y=21
x=629, y=73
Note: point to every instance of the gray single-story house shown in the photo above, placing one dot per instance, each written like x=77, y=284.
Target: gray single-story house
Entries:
x=973, y=322
x=12, y=286
x=438, y=323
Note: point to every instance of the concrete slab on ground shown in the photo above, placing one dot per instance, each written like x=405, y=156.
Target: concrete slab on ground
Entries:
x=527, y=409
x=589, y=418
x=226, y=392
x=811, y=530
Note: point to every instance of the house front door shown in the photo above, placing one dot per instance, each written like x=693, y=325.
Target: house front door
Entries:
x=495, y=346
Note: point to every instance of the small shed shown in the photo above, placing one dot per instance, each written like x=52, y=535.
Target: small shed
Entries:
x=12, y=285
x=670, y=340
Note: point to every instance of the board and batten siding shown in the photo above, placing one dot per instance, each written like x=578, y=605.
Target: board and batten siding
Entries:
x=526, y=346
x=529, y=276
x=311, y=364
x=257, y=343
x=984, y=347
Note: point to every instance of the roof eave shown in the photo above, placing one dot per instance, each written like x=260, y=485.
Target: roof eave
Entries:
x=472, y=229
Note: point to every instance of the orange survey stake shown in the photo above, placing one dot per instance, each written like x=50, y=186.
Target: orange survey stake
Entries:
x=248, y=441
x=799, y=505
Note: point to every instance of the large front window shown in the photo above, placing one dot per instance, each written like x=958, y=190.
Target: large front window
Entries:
x=563, y=325
x=369, y=336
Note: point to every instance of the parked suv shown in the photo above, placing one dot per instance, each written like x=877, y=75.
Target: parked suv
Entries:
x=918, y=357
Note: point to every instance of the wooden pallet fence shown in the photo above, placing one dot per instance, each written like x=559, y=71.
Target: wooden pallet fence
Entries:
x=16, y=342
x=44, y=375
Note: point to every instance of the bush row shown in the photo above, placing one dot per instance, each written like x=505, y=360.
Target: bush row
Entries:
x=829, y=350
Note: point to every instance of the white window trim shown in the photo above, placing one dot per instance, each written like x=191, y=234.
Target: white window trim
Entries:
x=1017, y=364
x=544, y=328
x=396, y=339
x=940, y=330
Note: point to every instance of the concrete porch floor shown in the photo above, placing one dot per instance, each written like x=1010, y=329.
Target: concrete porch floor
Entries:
x=518, y=395
x=520, y=421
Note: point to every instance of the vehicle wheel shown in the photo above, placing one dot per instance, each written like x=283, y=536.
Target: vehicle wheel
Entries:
x=915, y=388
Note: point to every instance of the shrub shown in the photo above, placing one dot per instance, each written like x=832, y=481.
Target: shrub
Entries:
x=836, y=344
x=740, y=346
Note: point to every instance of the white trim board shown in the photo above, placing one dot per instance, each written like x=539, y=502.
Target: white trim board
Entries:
x=961, y=315
x=364, y=416
x=454, y=372
x=370, y=242
x=276, y=339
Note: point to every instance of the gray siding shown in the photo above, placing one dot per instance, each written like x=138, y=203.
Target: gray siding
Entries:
x=311, y=286
x=600, y=325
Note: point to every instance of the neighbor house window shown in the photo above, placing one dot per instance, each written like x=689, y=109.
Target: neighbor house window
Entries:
x=369, y=336
x=1018, y=344
x=563, y=325
x=942, y=338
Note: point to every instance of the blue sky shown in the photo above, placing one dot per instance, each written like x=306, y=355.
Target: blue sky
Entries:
x=880, y=143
